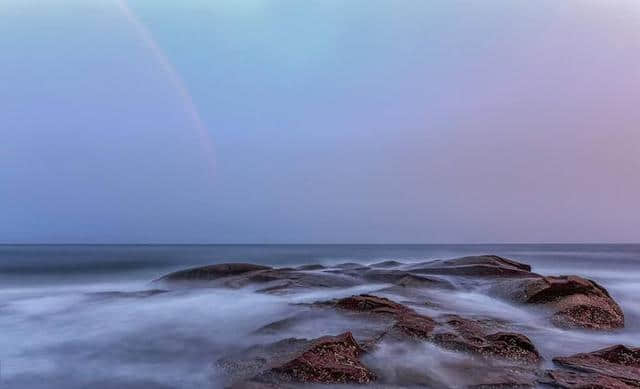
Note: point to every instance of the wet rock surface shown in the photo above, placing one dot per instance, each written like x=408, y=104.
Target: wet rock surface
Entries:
x=488, y=351
x=479, y=266
x=449, y=331
x=386, y=264
x=471, y=336
x=576, y=380
x=327, y=360
x=212, y=272
x=330, y=359
x=575, y=302
x=619, y=362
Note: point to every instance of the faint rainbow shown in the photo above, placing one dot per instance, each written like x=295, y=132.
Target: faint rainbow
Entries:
x=176, y=81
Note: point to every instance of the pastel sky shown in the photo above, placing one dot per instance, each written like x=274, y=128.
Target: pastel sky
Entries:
x=288, y=121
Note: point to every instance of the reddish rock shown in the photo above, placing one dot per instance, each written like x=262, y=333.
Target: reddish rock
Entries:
x=549, y=289
x=511, y=346
x=372, y=304
x=500, y=377
x=468, y=335
x=414, y=325
x=575, y=380
x=619, y=362
x=330, y=359
x=576, y=302
x=451, y=331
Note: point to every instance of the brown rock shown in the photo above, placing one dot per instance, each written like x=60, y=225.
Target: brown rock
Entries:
x=284, y=280
x=478, y=266
x=405, y=279
x=212, y=272
x=501, y=377
x=471, y=336
x=619, y=362
x=451, y=331
x=414, y=325
x=576, y=302
x=575, y=380
x=549, y=289
x=371, y=304
x=330, y=359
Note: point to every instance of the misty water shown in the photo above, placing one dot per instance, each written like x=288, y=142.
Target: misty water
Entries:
x=64, y=322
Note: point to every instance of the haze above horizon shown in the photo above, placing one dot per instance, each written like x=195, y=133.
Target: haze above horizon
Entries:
x=332, y=121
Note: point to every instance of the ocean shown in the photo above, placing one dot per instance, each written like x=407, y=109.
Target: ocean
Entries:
x=65, y=324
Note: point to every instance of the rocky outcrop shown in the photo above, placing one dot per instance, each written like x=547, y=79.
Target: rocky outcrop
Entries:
x=477, y=266
x=461, y=334
x=326, y=360
x=450, y=331
x=330, y=359
x=619, y=362
x=576, y=302
x=372, y=304
x=269, y=280
x=212, y=272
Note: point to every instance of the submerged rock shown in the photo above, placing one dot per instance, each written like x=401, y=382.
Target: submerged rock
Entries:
x=576, y=302
x=134, y=294
x=619, y=362
x=311, y=267
x=270, y=280
x=351, y=266
x=386, y=264
x=406, y=279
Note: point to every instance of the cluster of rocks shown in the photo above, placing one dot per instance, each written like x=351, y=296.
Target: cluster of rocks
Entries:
x=509, y=359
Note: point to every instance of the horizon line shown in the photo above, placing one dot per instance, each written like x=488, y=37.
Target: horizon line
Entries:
x=320, y=244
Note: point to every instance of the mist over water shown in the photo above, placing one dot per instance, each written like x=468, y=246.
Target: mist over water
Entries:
x=66, y=322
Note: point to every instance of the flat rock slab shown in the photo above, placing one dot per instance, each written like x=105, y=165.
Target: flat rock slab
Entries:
x=576, y=380
x=212, y=272
x=619, y=362
x=477, y=266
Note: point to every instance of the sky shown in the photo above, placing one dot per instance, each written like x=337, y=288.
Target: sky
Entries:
x=328, y=121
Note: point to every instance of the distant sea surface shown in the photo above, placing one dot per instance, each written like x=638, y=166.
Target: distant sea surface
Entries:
x=59, y=331
x=20, y=264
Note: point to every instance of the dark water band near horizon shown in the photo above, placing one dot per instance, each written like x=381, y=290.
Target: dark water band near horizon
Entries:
x=60, y=330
